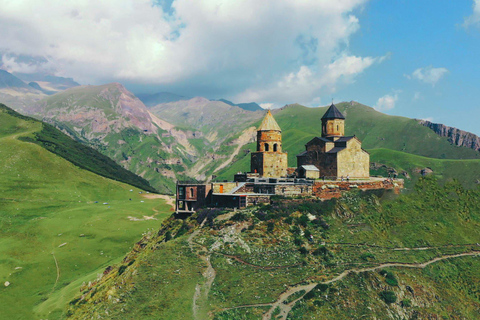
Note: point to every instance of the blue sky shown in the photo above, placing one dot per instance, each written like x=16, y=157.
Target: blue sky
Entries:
x=420, y=34
x=412, y=58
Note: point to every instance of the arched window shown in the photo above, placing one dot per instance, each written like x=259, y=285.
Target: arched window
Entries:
x=191, y=192
x=266, y=146
x=275, y=147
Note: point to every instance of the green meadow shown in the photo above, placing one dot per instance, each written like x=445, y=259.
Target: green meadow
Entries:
x=60, y=225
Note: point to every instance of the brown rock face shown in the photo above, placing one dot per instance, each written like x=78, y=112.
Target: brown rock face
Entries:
x=454, y=135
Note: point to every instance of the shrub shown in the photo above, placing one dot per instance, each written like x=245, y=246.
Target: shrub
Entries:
x=239, y=216
x=122, y=269
x=406, y=303
x=270, y=226
x=307, y=234
x=288, y=220
x=168, y=236
x=388, y=296
x=367, y=256
x=295, y=230
x=391, y=280
x=303, y=250
x=302, y=220
x=297, y=241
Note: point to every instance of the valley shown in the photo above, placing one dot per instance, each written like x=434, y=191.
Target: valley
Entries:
x=60, y=225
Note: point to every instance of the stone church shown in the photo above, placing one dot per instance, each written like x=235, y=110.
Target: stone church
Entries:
x=333, y=155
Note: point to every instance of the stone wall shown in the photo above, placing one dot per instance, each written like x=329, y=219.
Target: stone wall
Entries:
x=353, y=161
x=333, y=189
x=290, y=190
x=269, y=164
x=223, y=187
x=253, y=200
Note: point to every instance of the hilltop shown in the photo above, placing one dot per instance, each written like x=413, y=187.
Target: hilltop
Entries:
x=199, y=138
x=62, y=220
x=374, y=255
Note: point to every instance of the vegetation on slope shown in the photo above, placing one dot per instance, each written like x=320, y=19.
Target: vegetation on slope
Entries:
x=60, y=225
x=81, y=155
x=368, y=254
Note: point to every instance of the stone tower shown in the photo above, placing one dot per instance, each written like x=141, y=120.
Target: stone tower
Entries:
x=269, y=160
x=333, y=123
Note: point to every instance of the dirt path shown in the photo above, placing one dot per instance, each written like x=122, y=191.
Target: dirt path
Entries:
x=244, y=138
x=200, y=297
x=58, y=273
x=168, y=199
x=285, y=308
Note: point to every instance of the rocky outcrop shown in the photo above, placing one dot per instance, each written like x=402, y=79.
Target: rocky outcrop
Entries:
x=454, y=135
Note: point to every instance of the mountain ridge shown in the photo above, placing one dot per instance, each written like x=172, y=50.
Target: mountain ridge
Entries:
x=456, y=136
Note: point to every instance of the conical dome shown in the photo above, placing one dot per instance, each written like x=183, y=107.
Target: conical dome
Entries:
x=269, y=123
x=333, y=113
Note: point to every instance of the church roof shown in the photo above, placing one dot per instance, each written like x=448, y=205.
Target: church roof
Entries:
x=269, y=123
x=309, y=167
x=333, y=113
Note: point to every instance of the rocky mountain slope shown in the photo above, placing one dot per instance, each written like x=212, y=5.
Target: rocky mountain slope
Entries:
x=366, y=255
x=454, y=135
x=119, y=125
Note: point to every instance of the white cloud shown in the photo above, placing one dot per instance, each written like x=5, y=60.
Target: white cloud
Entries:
x=290, y=47
x=304, y=85
x=474, y=19
x=429, y=74
x=267, y=105
x=386, y=102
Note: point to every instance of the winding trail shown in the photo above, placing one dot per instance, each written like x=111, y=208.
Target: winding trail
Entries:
x=200, y=297
x=58, y=273
x=257, y=266
x=285, y=308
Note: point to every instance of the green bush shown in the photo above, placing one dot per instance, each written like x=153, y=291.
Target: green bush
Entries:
x=239, y=216
x=388, y=296
x=406, y=303
x=270, y=226
x=122, y=269
x=303, y=250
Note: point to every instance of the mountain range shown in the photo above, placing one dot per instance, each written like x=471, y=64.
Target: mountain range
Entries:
x=200, y=138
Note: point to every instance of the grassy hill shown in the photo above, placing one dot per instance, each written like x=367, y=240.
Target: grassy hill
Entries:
x=60, y=225
x=366, y=255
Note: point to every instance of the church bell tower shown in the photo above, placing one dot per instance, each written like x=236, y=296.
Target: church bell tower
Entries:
x=333, y=123
x=269, y=160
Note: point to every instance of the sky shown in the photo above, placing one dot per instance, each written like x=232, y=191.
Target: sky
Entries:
x=414, y=58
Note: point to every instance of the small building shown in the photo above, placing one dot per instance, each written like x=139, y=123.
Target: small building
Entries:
x=191, y=196
x=334, y=154
x=308, y=171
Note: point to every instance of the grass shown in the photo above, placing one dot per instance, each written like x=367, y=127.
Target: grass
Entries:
x=53, y=213
x=361, y=230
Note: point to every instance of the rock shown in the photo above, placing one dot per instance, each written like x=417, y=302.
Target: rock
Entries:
x=6, y=283
x=426, y=171
x=456, y=136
